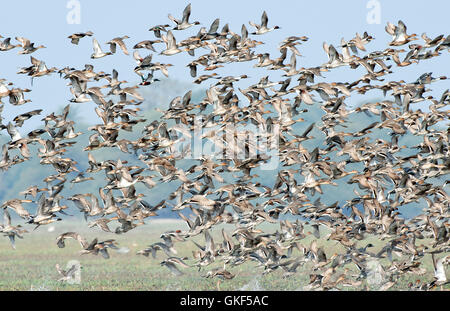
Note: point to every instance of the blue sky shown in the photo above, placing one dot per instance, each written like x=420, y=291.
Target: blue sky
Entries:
x=45, y=22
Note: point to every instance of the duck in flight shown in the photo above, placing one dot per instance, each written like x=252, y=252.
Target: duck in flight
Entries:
x=184, y=23
x=262, y=29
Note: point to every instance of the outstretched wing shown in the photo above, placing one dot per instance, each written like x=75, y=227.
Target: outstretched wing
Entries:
x=186, y=13
x=264, y=19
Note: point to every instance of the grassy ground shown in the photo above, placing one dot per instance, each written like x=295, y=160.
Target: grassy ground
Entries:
x=32, y=265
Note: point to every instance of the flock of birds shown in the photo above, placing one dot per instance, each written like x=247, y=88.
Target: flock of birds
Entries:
x=388, y=174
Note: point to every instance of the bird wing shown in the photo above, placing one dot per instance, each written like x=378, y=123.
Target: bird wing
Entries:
x=122, y=46
x=227, y=239
x=13, y=132
x=326, y=48
x=401, y=29
x=24, y=41
x=6, y=217
x=186, y=13
x=173, y=268
x=12, y=240
x=35, y=61
x=104, y=253
x=439, y=271
x=171, y=42
x=199, y=246
x=390, y=28
x=137, y=57
x=19, y=209
x=308, y=130
x=112, y=47
x=316, y=231
x=96, y=46
x=179, y=261
x=173, y=19
x=293, y=61
x=41, y=210
x=214, y=26
x=264, y=19
x=209, y=242
x=92, y=245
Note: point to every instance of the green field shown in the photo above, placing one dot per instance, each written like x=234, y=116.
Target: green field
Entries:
x=32, y=265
